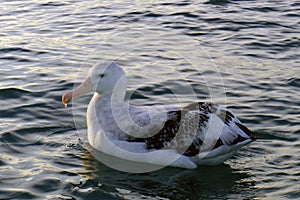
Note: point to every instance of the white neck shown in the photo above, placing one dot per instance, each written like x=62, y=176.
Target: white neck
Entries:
x=117, y=94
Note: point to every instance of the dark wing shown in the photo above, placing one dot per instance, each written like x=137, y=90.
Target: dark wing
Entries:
x=172, y=135
x=166, y=134
x=169, y=137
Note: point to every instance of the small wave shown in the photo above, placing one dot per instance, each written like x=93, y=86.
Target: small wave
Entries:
x=15, y=58
x=21, y=50
x=52, y=4
x=12, y=93
x=274, y=136
x=218, y=2
x=14, y=49
x=294, y=82
x=46, y=185
x=16, y=194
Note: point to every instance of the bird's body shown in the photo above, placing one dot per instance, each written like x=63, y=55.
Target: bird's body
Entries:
x=199, y=133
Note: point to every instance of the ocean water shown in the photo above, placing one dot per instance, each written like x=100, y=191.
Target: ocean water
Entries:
x=242, y=54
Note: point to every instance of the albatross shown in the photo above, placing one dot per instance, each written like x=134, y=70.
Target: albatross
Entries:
x=201, y=133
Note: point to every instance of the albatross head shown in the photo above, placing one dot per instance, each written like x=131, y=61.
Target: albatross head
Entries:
x=107, y=78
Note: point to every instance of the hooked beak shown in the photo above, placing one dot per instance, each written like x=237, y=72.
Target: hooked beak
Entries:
x=84, y=88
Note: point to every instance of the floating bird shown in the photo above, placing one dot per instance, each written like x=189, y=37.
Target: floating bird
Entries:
x=197, y=134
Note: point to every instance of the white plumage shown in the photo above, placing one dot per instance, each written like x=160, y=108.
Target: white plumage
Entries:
x=200, y=133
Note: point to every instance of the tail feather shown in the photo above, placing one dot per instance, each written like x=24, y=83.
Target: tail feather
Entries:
x=246, y=130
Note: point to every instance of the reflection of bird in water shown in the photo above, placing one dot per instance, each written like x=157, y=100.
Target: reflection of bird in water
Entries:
x=200, y=133
x=170, y=183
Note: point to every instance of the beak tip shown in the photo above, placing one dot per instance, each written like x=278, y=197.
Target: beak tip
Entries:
x=65, y=99
x=82, y=89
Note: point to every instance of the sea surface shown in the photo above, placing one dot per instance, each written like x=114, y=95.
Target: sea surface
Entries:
x=241, y=54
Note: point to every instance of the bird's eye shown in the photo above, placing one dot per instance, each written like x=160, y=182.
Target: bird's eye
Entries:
x=101, y=75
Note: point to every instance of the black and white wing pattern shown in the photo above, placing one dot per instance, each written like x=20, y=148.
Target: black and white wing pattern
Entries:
x=198, y=127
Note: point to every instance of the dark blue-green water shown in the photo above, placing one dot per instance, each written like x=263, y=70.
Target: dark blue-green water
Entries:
x=243, y=54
